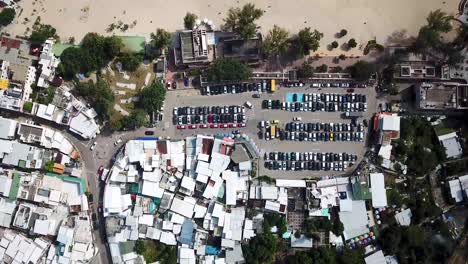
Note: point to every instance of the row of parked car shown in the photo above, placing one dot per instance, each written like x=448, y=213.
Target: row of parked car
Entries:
x=314, y=136
x=327, y=85
x=330, y=97
x=261, y=86
x=307, y=165
x=327, y=127
x=204, y=110
x=204, y=126
x=314, y=106
x=309, y=156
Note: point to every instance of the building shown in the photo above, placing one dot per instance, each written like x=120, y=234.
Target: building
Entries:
x=7, y=128
x=196, y=47
x=387, y=127
x=231, y=46
x=379, y=194
x=17, y=73
x=452, y=146
x=459, y=188
x=47, y=64
x=439, y=96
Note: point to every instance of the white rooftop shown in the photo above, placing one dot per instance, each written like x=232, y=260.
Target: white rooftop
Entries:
x=379, y=195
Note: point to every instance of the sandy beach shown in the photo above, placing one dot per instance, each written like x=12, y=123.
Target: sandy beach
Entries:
x=364, y=19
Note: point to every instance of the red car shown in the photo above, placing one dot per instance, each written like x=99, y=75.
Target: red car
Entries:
x=230, y=125
x=203, y=126
x=210, y=118
x=180, y=127
x=239, y=124
x=99, y=171
x=350, y=90
x=193, y=126
x=214, y=126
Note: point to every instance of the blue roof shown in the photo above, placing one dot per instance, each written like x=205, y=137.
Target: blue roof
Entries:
x=186, y=234
x=210, y=250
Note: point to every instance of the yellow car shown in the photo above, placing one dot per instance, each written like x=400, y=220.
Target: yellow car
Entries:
x=275, y=121
x=331, y=137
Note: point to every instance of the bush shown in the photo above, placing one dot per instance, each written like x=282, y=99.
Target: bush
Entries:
x=6, y=16
x=27, y=106
x=228, y=70
x=322, y=68
x=305, y=71
x=334, y=45
x=189, y=20
x=352, y=43
x=343, y=33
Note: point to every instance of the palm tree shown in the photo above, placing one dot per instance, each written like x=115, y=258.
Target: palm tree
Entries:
x=439, y=21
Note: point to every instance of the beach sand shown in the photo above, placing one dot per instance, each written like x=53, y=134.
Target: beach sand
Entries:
x=364, y=19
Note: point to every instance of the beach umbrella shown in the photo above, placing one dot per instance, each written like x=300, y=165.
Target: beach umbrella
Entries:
x=197, y=22
x=205, y=20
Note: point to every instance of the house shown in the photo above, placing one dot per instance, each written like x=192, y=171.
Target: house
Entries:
x=451, y=145
x=459, y=188
x=379, y=194
x=47, y=64
x=7, y=128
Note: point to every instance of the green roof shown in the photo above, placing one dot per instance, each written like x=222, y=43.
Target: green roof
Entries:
x=14, y=186
x=133, y=43
x=67, y=178
x=361, y=192
x=58, y=48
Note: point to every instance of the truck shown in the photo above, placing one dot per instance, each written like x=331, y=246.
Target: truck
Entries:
x=353, y=114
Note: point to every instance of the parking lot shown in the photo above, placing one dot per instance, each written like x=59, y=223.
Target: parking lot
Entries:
x=180, y=98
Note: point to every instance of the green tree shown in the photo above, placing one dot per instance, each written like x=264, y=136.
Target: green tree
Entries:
x=42, y=32
x=322, y=68
x=260, y=249
x=307, y=40
x=306, y=70
x=152, y=97
x=276, y=42
x=6, y=16
x=352, y=43
x=189, y=20
x=99, y=94
x=242, y=20
x=343, y=33
x=161, y=40
x=228, y=70
x=334, y=45
x=135, y=120
x=362, y=70
x=130, y=61
x=439, y=21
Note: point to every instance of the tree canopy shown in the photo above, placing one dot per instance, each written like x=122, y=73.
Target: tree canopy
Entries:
x=276, y=42
x=99, y=95
x=334, y=45
x=135, y=120
x=242, y=20
x=153, y=251
x=306, y=70
x=6, y=16
x=352, y=43
x=95, y=52
x=260, y=249
x=307, y=41
x=152, y=97
x=42, y=32
x=228, y=70
x=130, y=61
x=362, y=70
x=161, y=40
x=189, y=20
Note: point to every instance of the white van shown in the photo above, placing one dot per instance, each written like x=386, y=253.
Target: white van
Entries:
x=248, y=104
